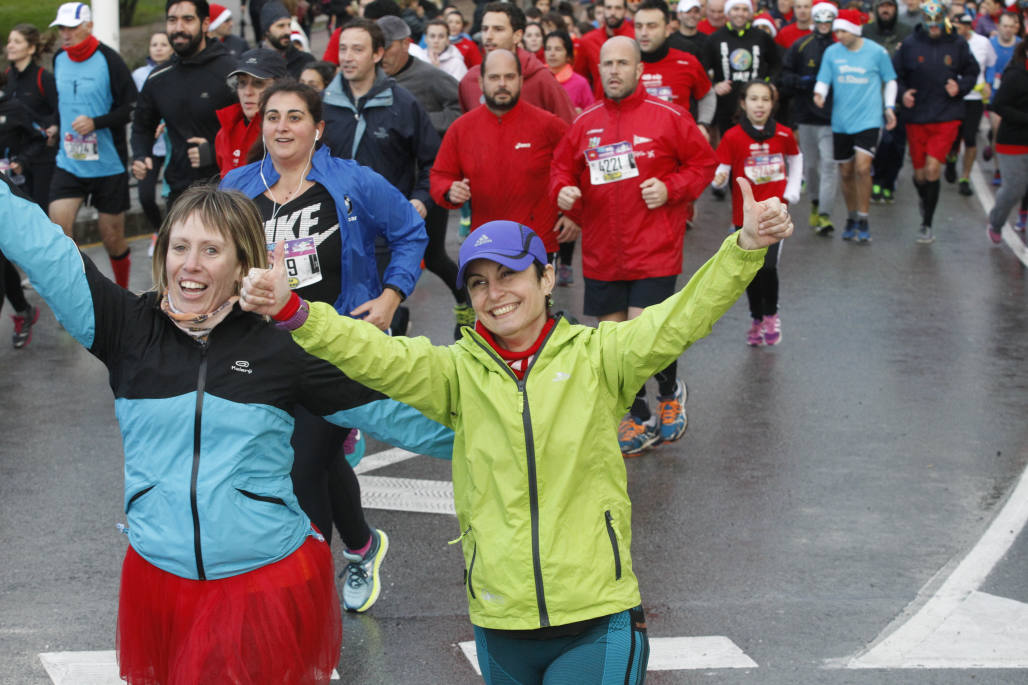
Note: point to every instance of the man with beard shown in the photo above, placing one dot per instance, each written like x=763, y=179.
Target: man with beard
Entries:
x=95, y=92
x=503, y=24
x=587, y=54
x=629, y=166
x=738, y=53
x=185, y=92
x=276, y=21
x=499, y=155
x=688, y=38
x=889, y=32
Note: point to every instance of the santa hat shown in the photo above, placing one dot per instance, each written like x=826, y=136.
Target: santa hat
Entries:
x=848, y=20
x=824, y=7
x=729, y=4
x=686, y=5
x=219, y=15
x=765, y=19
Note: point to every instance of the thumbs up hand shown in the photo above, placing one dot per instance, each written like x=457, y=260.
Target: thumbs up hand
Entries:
x=765, y=222
x=266, y=291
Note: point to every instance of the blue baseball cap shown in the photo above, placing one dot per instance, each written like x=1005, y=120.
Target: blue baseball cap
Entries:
x=505, y=242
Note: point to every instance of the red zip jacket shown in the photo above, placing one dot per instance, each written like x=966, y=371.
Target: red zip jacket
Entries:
x=587, y=53
x=622, y=240
x=506, y=161
x=236, y=137
x=539, y=87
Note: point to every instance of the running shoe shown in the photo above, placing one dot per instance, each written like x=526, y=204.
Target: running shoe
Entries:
x=464, y=316
x=950, y=173
x=965, y=187
x=925, y=235
x=850, y=231
x=755, y=336
x=635, y=436
x=995, y=236
x=863, y=236
x=877, y=194
x=888, y=196
x=362, y=580
x=1022, y=221
x=813, y=214
x=23, y=324
x=565, y=275
x=673, y=420
x=772, y=327
x=824, y=226
x=987, y=153
x=354, y=446
x=997, y=180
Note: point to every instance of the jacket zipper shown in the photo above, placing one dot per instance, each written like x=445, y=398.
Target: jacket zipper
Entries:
x=613, y=543
x=471, y=568
x=533, y=485
x=201, y=383
x=261, y=498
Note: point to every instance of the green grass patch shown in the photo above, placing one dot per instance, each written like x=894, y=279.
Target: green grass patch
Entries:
x=41, y=12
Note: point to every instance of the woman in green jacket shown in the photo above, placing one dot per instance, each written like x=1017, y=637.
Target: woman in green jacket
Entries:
x=538, y=477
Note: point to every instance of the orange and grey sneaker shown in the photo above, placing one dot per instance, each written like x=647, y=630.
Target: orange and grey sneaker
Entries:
x=636, y=436
x=673, y=419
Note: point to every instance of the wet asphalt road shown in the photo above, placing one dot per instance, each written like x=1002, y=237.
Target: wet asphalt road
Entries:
x=820, y=488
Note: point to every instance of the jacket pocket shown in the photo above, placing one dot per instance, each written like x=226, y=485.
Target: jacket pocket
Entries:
x=609, y=520
x=471, y=569
x=261, y=498
x=137, y=495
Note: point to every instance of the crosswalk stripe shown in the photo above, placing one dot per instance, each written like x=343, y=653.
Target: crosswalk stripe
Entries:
x=88, y=668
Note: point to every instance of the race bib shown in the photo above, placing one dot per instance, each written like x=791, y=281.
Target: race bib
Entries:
x=611, y=163
x=302, y=264
x=662, y=92
x=5, y=165
x=765, y=168
x=81, y=148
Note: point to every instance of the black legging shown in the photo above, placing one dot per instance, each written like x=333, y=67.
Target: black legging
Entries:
x=762, y=292
x=324, y=482
x=147, y=190
x=10, y=286
x=436, y=258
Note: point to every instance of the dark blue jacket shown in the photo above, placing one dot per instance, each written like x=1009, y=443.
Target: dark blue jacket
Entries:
x=387, y=130
x=925, y=64
x=205, y=426
x=799, y=75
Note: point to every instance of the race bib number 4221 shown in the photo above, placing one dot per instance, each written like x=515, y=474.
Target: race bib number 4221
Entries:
x=611, y=163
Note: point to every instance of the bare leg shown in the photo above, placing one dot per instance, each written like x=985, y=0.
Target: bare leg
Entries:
x=62, y=212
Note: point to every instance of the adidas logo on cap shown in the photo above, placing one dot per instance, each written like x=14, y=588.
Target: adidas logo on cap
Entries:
x=484, y=240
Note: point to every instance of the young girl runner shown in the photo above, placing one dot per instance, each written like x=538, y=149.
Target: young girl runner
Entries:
x=540, y=490
x=765, y=152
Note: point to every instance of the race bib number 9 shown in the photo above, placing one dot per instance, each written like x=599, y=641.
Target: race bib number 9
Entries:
x=611, y=163
x=302, y=264
x=81, y=148
x=765, y=168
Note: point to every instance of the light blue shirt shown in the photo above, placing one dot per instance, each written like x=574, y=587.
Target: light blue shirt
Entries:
x=856, y=79
x=84, y=88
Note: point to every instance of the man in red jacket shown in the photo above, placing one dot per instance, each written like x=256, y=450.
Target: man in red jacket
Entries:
x=629, y=166
x=587, y=53
x=498, y=155
x=503, y=24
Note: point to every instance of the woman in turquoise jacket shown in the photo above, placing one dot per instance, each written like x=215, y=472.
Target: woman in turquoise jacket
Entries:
x=539, y=483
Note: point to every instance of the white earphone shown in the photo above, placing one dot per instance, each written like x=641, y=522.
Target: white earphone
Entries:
x=317, y=134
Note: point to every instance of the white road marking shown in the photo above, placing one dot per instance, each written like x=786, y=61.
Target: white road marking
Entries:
x=88, y=668
x=407, y=494
x=672, y=654
x=956, y=626
x=378, y=460
x=1010, y=236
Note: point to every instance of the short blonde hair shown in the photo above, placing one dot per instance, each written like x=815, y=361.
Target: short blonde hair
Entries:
x=227, y=212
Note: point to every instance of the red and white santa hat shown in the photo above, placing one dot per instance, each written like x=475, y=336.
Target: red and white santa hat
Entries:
x=765, y=19
x=848, y=20
x=219, y=15
x=822, y=10
x=729, y=4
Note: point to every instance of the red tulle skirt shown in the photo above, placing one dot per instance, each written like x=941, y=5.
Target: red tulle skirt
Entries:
x=278, y=624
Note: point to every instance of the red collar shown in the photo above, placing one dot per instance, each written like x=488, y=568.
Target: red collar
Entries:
x=84, y=50
x=512, y=358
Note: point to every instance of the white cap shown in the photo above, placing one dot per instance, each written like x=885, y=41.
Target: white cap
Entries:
x=729, y=4
x=686, y=5
x=72, y=14
x=822, y=7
